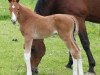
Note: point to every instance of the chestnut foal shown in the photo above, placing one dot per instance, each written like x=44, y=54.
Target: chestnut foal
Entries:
x=34, y=26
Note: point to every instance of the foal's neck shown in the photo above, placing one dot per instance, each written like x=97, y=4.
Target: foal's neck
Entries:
x=25, y=14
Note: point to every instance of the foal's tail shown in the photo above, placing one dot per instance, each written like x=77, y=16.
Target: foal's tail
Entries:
x=76, y=25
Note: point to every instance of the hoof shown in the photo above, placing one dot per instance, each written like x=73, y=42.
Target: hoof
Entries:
x=89, y=73
x=34, y=71
x=14, y=40
x=68, y=66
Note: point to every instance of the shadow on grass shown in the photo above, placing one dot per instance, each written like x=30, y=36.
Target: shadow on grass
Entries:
x=4, y=17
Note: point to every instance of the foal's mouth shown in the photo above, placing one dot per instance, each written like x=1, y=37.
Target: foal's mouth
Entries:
x=14, y=22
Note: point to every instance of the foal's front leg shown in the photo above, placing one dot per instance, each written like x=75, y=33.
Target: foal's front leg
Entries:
x=27, y=54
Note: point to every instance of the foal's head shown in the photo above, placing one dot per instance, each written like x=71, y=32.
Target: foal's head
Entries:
x=14, y=9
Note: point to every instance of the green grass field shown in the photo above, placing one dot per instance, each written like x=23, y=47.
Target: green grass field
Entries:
x=56, y=57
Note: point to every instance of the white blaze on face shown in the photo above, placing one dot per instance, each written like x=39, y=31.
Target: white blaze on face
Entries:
x=13, y=6
x=13, y=15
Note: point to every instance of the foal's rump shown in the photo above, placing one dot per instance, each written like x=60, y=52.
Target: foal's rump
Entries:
x=65, y=23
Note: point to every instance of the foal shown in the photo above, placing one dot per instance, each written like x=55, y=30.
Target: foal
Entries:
x=34, y=26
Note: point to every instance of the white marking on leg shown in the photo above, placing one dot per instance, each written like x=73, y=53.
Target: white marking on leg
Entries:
x=13, y=17
x=28, y=64
x=75, y=67
x=55, y=32
x=80, y=67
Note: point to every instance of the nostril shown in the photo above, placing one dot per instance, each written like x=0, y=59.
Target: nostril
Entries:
x=14, y=22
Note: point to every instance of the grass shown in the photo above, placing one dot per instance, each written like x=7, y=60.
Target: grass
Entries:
x=4, y=7
x=56, y=57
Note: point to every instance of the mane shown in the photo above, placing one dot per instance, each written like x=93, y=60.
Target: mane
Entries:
x=27, y=10
x=26, y=13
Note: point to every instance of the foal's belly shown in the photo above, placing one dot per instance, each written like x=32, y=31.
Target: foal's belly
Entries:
x=42, y=35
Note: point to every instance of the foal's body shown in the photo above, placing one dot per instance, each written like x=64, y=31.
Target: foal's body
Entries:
x=39, y=27
x=34, y=26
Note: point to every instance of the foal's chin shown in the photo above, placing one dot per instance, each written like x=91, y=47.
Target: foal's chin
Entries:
x=14, y=23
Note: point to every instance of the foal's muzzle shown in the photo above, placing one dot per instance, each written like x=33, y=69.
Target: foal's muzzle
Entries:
x=13, y=18
x=14, y=22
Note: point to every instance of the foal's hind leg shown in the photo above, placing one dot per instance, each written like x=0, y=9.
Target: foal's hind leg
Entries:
x=70, y=62
x=75, y=53
x=86, y=45
x=27, y=54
